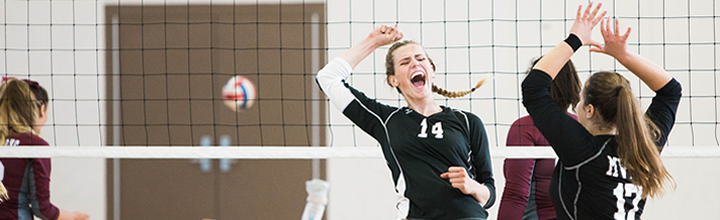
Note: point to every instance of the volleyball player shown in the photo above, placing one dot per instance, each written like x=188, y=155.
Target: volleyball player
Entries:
x=438, y=156
x=23, y=112
x=527, y=181
x=610, y=157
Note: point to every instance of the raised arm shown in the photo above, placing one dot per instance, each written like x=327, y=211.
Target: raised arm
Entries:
x=563, y=132
x=616, y=46
x=380, y=36
x=330, y=78
x=580, y=34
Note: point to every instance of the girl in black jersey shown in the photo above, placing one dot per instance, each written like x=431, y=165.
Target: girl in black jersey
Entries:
x=438, y=156
x=610, y=157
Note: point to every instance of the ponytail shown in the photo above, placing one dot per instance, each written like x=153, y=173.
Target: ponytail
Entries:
x=18, y=108
x=3, y=193
x=636, y=137
x=457, y=94
x=637, y=149
x=20, y=104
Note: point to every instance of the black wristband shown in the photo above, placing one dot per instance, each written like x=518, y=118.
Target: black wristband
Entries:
x=573, y=41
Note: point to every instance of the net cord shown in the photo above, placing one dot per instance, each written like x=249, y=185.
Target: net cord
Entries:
x=280, y=152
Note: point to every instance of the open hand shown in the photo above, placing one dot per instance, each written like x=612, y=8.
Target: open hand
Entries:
x=585, y=22
x=615, y=43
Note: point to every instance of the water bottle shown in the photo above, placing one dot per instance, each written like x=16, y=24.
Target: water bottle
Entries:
x=317, y=199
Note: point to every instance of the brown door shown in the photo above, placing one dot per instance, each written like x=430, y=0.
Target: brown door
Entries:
x=167, y=77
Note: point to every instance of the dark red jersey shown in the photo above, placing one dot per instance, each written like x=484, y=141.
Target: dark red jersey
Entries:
x=28, y=183
x=527, y=181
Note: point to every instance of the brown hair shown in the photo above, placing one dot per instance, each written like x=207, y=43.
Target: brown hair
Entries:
x=390, y=71
x=613, y=99
x=20, y=104
x=565, y=88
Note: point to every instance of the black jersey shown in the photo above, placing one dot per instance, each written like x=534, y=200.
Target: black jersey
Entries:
x=589, y=181
x=418, y=149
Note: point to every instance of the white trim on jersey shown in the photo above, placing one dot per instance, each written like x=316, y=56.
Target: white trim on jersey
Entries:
x=330, y=79
x=577, y=178
x=467, y=122
x=470, y=152
x=403, y=203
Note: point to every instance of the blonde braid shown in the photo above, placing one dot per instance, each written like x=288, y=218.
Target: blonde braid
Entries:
x=457, y=94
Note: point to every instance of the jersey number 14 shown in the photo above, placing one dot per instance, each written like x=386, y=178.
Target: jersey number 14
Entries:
x=436, y=129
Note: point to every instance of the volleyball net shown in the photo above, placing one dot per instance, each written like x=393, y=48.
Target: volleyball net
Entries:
x=147, y=76
x=144, y=79
x=151, y=73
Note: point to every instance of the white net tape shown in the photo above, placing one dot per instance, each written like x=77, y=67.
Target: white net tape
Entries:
x=289, y=152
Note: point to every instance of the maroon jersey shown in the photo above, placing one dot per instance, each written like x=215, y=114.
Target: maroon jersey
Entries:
x=28, y=183
x=527, y=183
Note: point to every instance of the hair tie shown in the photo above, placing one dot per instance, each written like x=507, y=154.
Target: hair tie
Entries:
x=617, y=90
x=30, y=83
x=5, y=79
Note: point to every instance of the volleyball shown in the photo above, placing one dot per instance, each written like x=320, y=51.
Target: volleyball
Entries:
x=239, y=93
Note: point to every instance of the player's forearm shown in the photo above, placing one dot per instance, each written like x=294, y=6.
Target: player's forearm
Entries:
x=481, y=193
x=359, y=51
x=652, y=74
x=554, y=60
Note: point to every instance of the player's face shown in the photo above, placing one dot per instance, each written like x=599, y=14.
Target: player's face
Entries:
x=41, y=118
x=413, y=71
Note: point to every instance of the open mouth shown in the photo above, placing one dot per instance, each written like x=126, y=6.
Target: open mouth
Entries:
x=418, y=79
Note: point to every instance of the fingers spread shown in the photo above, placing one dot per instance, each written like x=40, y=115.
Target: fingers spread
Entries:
x=597, y=8
x=617, y=26
x=579, y=11
x=627, y=34
x=598, y=18
x=587, y=10
x=607, y=26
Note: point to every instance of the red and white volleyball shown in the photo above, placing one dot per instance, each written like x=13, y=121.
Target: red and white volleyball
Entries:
x=239, y=93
